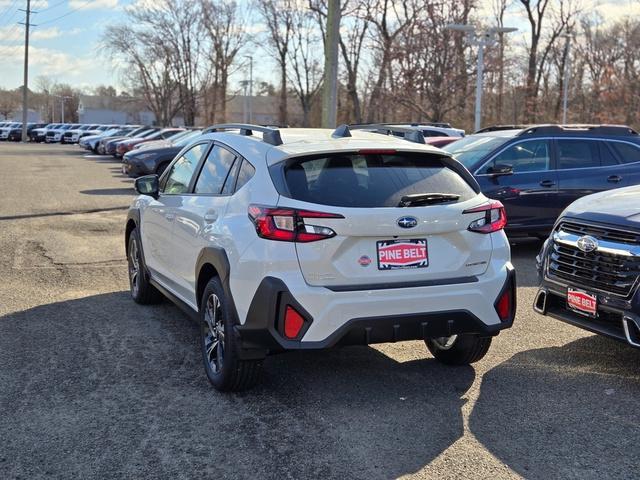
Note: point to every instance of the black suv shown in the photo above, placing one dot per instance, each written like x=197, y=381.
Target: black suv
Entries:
x=537, y=171
x=589, y=268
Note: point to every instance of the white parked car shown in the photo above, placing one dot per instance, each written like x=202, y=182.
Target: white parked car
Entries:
x=309, y=238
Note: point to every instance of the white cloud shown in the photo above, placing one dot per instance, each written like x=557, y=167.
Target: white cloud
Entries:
x=48, y=61
x=46, y=33
x=93, y=4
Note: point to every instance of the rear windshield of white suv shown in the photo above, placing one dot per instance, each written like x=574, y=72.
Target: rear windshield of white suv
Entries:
x=371, y=180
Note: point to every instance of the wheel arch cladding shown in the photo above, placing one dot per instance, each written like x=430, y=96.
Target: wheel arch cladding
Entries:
x=133, y=219
x=212, y=262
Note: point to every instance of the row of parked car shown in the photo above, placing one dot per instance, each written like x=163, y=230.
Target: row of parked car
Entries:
x=283, y=232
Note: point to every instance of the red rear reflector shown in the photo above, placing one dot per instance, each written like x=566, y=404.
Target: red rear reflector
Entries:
x=503, y=307
x=293, y=322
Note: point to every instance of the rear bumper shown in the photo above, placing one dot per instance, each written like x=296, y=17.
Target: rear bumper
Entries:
x=398, y=314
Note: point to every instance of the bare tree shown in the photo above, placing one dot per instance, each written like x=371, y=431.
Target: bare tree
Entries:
x=537, y=11
x=148, y=68
x=352, y=39
x=225, y=25
x=305, y=62
x=389, y=19
x=9, y=102
x=176, y=29
x=278, y=16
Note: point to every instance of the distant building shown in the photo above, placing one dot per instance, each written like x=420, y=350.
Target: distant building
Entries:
x=118, y=110
x=264, y=111
x=32, y=116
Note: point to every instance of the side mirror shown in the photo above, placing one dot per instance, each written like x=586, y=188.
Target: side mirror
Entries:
x=500, y=170
x=148, y=185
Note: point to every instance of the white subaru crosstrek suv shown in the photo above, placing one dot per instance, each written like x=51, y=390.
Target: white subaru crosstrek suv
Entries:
x=309, y=238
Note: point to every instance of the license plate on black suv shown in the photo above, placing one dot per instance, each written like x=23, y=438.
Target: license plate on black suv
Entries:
x=397, y=254
x=582, y=302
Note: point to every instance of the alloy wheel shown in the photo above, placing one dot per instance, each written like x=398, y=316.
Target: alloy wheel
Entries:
x=134, y=267
x=214, y=336
x=445, y=343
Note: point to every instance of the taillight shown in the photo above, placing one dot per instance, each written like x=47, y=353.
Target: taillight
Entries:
x=494, y=217
x=287, y=224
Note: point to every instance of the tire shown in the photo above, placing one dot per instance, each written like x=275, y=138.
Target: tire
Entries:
x=141, y=289
x=222, y=364
x=161, y=168
x=465, y=349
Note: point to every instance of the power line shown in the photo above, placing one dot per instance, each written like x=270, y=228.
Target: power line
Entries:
x=66, y=14
x=13, y=4
x=8, y=20
x=52, y=6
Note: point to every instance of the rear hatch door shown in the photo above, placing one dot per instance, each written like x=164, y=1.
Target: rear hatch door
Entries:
x=402, y=220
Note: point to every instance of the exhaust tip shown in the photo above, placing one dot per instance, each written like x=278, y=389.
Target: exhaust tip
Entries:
x=540, y=303
x=631, y=331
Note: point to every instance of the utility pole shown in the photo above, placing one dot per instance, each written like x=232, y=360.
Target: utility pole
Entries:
x=250, y=87
x=25, y=83
x=480, y=39
x=565, y=77
x=330, y=87
x=245, y=102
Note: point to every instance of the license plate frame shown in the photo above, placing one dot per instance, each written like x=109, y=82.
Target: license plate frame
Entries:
x=392, y=257
x=582, y=302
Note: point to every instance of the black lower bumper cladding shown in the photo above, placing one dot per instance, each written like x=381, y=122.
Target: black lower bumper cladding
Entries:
x=614, y=318
x=263, y=326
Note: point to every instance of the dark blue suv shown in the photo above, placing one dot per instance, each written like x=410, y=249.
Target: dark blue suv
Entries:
x=537, y=171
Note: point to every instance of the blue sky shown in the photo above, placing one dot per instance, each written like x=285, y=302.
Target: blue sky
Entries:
x=65, y=44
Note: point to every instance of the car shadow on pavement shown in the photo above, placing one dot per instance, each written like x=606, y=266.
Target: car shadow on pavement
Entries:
x=563, y=412
x=100, y=387
x=110, y=191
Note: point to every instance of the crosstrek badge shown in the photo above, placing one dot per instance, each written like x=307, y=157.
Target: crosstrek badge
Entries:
x=394, y=254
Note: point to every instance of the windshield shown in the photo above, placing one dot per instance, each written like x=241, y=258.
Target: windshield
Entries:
x=469, y=150
x=186, y=139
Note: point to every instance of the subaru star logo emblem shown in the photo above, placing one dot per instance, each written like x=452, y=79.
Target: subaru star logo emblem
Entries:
x=407, y=222
x=587, y=243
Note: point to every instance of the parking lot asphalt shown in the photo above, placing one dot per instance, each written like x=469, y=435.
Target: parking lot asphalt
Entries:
x=94, y=386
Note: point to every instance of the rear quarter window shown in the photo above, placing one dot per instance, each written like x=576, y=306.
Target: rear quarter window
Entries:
x=371, y=180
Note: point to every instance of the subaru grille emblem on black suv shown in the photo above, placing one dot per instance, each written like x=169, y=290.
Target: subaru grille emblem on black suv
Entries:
x=407, y=222
x=587, y=243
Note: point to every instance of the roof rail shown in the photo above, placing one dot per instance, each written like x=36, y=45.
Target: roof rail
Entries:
x=269, y=135
x=551, y=129
x=409, y=134
x=411, y=124
x=497, y=128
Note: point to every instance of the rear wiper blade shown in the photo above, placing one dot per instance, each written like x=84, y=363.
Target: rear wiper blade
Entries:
x=427, y=199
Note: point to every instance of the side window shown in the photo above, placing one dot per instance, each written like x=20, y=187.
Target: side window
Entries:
x=178, y=180
x=626, y=153
x=215, y=171
x=530, y=156
x=607, y=158
x=577, y=154
x=246, y=172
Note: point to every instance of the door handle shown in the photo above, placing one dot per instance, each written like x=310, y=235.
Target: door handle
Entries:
x=547, y=183
x=211, y=216
x=169, y=216
x=614, y=179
